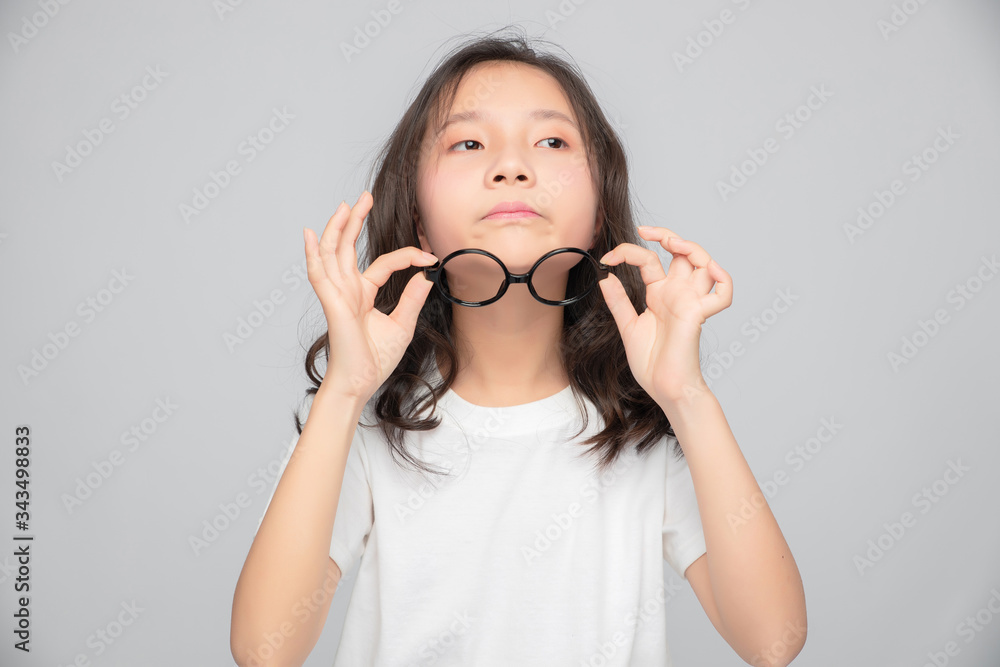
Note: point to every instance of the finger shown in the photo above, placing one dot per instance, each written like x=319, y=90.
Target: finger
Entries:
x=650, y=266
x=378, y=273
x=690, y=269
x=327, y=244
x=722, y=298
x=645, y=230
x=412, y=299
x=347, y=258
x=618, y=302
x=680, y=265
x=315, y=270
x=696, y=255
x=687, y=257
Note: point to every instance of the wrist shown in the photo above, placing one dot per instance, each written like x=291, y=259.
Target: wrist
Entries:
x=685, y=396
x=328, y=396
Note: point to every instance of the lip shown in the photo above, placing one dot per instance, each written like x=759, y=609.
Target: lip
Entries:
x=511, y=215
x=511, y=210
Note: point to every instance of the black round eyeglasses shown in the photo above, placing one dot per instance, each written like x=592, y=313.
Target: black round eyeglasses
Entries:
x=478, y=278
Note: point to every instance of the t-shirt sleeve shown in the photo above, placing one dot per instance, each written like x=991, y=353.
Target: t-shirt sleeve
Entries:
x=355, y=512
x=683, y=536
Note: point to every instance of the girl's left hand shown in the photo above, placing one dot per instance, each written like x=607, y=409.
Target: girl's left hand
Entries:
x=661, y=344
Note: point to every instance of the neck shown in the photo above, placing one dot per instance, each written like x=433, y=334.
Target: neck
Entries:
x=508, y=351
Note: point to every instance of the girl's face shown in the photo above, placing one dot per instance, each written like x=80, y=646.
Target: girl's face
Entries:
x=510, y=136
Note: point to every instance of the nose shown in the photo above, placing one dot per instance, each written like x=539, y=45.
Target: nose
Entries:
x=511, y=166
x=501, y=175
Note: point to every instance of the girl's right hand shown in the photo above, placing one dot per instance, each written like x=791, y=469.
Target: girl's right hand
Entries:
x=365, y=344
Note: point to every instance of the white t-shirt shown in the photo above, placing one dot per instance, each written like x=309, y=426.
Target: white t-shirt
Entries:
x=522, y=555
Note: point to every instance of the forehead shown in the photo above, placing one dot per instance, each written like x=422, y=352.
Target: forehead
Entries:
x=498, y=91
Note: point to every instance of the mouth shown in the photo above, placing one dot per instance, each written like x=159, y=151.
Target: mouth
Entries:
x=511, y=210
x=511, y=215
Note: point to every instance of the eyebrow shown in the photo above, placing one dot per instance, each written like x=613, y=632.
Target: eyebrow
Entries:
x=537, y=114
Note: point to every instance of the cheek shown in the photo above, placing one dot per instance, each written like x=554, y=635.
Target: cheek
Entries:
x=577, y=205
x=451, y=183
x=576, y=183
x=445, y=208
x=443, y=190
x=580, y=179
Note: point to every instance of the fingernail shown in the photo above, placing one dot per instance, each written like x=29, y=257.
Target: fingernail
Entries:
x=429, y=257
x=643, y=227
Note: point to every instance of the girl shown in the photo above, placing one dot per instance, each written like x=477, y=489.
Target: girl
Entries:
x=517, y=501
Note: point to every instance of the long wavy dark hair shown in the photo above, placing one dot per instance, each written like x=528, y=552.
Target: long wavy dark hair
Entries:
x=591, y=346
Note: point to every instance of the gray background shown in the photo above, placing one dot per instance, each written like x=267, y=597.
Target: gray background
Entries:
x=163, y=337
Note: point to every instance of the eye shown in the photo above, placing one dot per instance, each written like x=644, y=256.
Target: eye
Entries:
x=562, y=143
x=555, y=139
x=467, y=141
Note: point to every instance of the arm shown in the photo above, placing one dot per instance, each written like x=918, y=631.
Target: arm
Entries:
x=289, y=559
x=747, y=580
x=757, y=600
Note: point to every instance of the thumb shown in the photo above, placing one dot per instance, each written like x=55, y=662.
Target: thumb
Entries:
x=618, y=301
x=411, y=301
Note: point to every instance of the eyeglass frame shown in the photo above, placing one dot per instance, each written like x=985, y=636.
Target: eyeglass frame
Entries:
x=434, y=272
